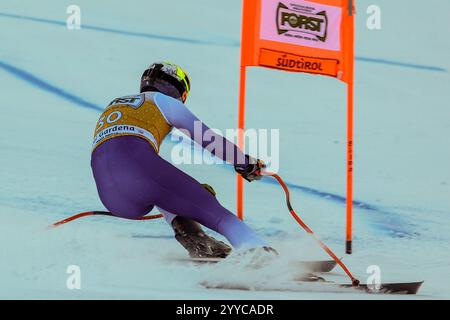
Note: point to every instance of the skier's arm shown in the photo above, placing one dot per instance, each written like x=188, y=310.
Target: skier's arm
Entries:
x=180, y=117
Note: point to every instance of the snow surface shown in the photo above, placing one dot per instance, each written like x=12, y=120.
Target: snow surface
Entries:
x=54, y=82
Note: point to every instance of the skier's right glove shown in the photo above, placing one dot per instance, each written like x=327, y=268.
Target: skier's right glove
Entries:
x=251, y=171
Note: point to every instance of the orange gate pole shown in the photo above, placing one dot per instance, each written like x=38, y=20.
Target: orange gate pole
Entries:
x=241, y=124
x=348, y=245
x=350, y=143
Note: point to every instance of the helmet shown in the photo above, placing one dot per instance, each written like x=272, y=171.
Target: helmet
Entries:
x=167, y=78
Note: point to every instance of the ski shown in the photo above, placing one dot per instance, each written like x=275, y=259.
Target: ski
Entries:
x=396, y=288
x=317, y=284
x=310, y=266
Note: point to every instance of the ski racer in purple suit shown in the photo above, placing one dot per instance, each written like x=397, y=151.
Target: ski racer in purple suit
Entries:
x=132, y=178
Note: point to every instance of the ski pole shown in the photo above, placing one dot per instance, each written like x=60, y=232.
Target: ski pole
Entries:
x=98, y=213
x=355, y=281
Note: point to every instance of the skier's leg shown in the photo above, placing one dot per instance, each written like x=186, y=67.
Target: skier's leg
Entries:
x=184, y=196
x=169, y=217
x=191, y=236
x=212, y=215
x=131, y=178
x=120, y=180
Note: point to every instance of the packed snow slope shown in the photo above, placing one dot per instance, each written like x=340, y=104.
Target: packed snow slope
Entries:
x=55, y=82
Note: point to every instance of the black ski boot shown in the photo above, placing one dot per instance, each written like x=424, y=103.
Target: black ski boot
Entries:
x=198, y=244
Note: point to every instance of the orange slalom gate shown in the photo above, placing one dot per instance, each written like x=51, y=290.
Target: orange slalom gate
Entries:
x=315, y=37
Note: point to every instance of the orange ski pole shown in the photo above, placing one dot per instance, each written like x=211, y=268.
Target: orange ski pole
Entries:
x=98, y=213
x=355, y=281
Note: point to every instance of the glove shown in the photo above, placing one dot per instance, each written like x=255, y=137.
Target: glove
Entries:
x=251, y=171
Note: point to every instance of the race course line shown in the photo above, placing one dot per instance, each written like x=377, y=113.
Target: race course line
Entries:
x=46, y=86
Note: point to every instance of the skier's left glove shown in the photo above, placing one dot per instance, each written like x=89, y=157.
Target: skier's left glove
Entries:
x=251, y=171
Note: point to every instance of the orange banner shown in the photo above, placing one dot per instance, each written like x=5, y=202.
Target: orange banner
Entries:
x=301, y=36
x=296, y=63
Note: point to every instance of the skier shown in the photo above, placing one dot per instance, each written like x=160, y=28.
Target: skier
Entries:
x=132, y=178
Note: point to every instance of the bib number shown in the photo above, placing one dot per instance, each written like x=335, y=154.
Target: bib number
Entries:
x=110, y=119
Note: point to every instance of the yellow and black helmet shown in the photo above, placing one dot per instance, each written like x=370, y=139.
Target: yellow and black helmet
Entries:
x=167, y=78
